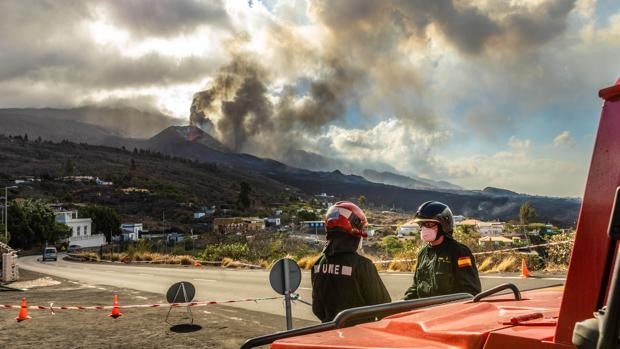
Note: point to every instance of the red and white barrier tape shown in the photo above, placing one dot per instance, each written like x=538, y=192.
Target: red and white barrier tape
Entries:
x=481, y=253
x=106, y=307
x=529, y=246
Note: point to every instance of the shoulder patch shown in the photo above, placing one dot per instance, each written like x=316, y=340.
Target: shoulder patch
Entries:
x=464, y=262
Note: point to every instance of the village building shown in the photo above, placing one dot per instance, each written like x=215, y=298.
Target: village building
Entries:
x=81, y=229
x=238, y=224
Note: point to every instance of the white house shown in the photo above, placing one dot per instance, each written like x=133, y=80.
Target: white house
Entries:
x=79, y=226
x=81, y=229
x=408, y=228
x=131, y=231
x=491, y=228
x=272, y=222
x=485, y=228
x=102, y=182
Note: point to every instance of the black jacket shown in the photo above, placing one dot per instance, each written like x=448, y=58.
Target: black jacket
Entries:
x=444, y=269
x=342, y=279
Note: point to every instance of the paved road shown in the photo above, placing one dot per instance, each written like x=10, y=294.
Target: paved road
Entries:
x=225, y=284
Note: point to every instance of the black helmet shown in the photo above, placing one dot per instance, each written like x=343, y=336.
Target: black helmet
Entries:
x=435, y=211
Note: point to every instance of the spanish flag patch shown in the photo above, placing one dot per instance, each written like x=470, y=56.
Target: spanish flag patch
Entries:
x=464, y=262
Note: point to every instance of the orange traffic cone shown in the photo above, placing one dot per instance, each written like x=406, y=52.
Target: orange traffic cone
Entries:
x=116, y=310
x=23, y=311
x=524, y=272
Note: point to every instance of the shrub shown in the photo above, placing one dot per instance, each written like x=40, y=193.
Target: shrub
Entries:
x=186, y=260
x=218, y=252
x=559, y=255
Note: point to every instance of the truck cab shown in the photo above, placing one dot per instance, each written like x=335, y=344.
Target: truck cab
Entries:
x=556, y=317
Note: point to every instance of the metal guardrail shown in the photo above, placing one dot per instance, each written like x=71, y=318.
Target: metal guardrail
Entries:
x=346, y=317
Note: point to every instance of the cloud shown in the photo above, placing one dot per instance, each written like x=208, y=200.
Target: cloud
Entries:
x=519, y=144
x=390, y=142
x=564, y=138
x=53, y=60
x=165, y=18
x=531, y=173
x=400, y=82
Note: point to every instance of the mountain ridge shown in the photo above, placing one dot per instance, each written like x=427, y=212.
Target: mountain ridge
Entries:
x=192, y=143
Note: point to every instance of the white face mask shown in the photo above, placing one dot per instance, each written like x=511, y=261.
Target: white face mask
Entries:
x=428, y=234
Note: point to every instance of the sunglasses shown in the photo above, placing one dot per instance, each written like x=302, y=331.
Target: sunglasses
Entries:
x=428, y=224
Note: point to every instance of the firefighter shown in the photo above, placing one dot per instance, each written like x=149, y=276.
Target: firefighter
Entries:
x=445, y=266
x=341, y=278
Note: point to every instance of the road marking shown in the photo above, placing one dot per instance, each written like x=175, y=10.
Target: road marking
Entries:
x=306, y=288
x=208, y=280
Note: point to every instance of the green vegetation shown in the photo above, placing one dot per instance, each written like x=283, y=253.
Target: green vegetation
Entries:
x=527, y=213
x=32, y=222
x=467, y=235
x=243, y=200
x=105, y=219
x=559, y=255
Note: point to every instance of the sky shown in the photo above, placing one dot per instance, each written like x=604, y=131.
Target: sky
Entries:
x=475, y=92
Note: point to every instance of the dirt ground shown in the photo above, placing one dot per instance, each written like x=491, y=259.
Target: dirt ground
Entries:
x=220, y=326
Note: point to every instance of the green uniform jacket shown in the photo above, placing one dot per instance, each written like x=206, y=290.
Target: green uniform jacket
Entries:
x=444, y=269
x=345, y=280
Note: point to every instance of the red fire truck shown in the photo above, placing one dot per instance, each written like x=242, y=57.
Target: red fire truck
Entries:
x=581, y=314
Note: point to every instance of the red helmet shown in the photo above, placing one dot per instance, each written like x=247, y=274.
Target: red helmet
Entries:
x=346, y=216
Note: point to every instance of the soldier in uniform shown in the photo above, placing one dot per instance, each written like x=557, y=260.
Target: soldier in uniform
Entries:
x=445, y=266
x=341, y=278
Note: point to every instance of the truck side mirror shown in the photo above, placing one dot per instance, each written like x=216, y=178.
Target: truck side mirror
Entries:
x=614, y=222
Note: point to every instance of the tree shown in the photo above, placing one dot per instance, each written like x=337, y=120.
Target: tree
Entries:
x=105, y=219
x=391, y=244
x=243, y=200
x=361, y=201
x=2, y=239
x=468, y=235
x=69, y=167
x=32, y=222
x=527, y=213
x=305, y=215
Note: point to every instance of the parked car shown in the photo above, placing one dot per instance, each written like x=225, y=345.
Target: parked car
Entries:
x=74, y=248
x=49, y=253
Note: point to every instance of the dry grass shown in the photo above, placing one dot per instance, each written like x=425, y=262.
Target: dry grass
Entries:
x=307, y=262
x=230, y=263
x=187, y=260
x=509, y=263
x=154, y=258
x=556, y=268
x=401, y=265
x=487, y=264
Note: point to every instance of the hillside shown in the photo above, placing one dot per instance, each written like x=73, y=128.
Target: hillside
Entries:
x=80, y=124
x=170, y=182
x=390, y=178
x=489, y=204
x=270, y=177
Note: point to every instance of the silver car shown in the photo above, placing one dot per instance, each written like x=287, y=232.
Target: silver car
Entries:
x=49, y=253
